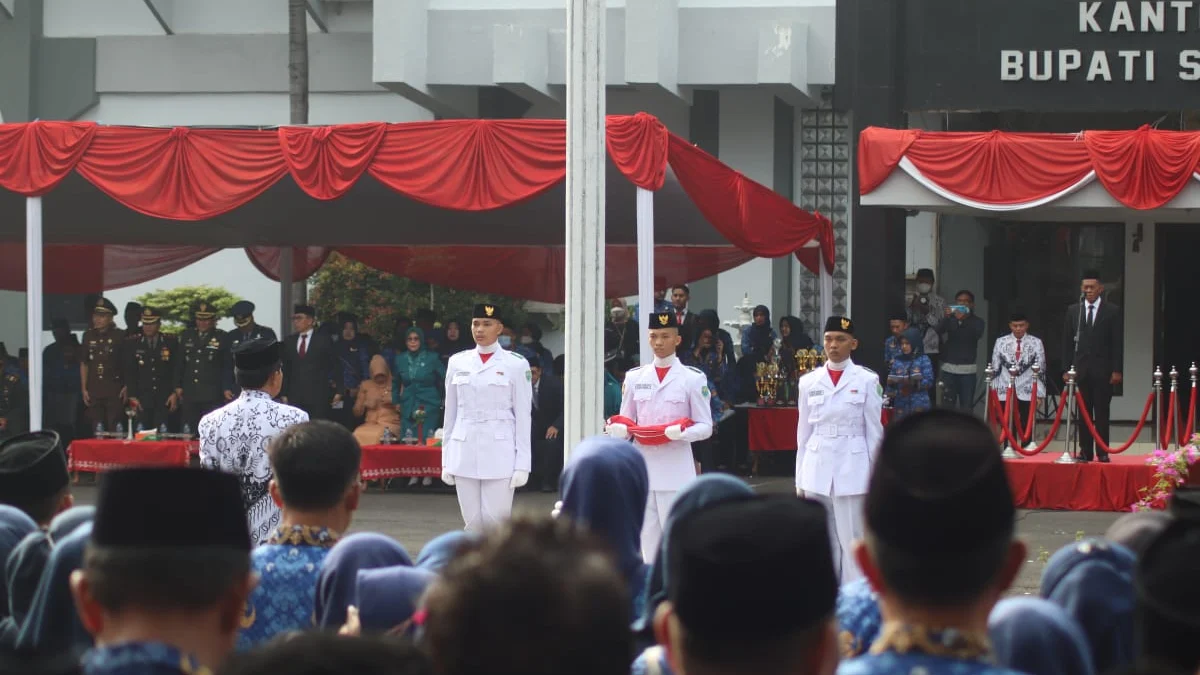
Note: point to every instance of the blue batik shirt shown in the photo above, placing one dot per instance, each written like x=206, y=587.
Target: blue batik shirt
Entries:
x=858, y=617
x=904, y=649
x=141, y=658
x=287, y=565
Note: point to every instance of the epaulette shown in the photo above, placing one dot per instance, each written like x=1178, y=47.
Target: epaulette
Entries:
x=633, y=369
x=696, y=370
x=867, y=369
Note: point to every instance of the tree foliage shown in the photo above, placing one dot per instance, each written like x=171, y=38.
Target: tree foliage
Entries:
x=176, y=303
x=379, y=298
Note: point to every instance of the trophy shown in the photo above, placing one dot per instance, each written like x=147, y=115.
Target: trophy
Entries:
x=767, y=380
x=131, y=413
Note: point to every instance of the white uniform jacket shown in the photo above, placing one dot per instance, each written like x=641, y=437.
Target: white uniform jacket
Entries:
x=485, y=435
x=1004, y=354
x=839, y=431
x=682, y=393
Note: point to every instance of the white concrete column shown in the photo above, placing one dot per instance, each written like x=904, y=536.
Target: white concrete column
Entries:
x=645, y=258
x=33, y=306
x=584, y=382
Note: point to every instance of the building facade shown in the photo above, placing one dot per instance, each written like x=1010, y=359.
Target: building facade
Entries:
x=747, y=80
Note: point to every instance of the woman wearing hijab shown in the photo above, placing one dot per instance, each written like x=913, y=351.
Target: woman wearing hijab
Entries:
x=441, y=550
x=1036, y=636
x=417, y=385
x=53, y=625
x=338, y=578
x=792, y=335
x=1093, y=581
x=374, y=405
x=605, y=487
x=14, y=526
x=388, y=596
x=21, y=574
x=705, y=491
x=910, y=377
x=709, y=319
x=759, y=332
x=453, y=340
x=353, y=358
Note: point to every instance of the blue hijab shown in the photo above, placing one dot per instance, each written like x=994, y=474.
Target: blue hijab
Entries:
x=66, y=522
x=1036, y=636
x=338, y=578
x=1093, y=581
x=914, y=338
x=605, y=486
x=21, y=574
x=706, y=490
x=387, y=597
x=14, y=525
x=441, y=550
x=53, y=624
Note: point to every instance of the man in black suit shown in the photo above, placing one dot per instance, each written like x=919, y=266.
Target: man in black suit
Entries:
x=546, y=430
x=309, y=367
x=681, y=295
x=1098, y=357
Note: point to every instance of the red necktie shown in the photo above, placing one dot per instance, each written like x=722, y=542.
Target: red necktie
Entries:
x=679, y=317
x=1018, y=359
x=303, y=345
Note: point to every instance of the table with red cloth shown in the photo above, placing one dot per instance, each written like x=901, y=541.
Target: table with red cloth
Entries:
x=400, y=461
x=94, y=455
x=773, y=428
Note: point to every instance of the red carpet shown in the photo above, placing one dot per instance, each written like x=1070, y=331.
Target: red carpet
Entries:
x=1039, y=483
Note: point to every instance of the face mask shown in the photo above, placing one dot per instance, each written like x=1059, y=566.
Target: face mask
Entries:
x=924, y=288
x=505, y=341
x=617, y=313
x=526, y=340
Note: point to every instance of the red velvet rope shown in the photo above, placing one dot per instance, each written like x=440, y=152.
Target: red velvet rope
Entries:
x=1006, y=435
x=1185, y=436
x=1168, y=432
x=1083, y=413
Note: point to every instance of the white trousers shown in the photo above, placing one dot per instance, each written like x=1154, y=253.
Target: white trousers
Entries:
x=484, y=503
x=845, y=516
x=658, y=505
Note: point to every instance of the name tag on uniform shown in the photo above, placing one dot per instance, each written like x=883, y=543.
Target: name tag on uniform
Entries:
x=816, y=398
x=642, y=391
x=460, y=378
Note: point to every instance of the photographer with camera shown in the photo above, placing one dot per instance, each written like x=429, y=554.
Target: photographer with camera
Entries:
x=925, y=313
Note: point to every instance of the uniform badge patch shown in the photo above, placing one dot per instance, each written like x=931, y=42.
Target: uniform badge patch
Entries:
x=704, y=392
x=529, y=376
x=878, y=389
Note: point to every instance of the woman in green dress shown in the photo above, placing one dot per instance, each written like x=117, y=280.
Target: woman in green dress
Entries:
x=418, y=382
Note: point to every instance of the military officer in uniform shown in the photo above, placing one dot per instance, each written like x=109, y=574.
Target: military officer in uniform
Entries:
x=100, y=369
x=486, y=437
x=200, y=368
x=664, y=393
x=14, y=404
x=837, y=438
x=247, y=330
x=150, y=371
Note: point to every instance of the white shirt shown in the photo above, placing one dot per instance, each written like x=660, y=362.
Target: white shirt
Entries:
x=486, y=432
x=234, y=439
x=839, y=430
x=1092, y=308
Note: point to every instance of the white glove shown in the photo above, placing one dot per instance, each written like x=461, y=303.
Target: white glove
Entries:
x=447, y=477
x=519, y=479
x=673, y=432
x=620, y=431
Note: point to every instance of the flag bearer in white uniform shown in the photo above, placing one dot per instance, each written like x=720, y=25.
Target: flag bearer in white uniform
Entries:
x=485, y=446
x=664, y=393
x=837, y=438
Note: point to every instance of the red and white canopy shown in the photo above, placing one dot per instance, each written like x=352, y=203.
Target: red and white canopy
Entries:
x=473, y=204
x=1005, y=172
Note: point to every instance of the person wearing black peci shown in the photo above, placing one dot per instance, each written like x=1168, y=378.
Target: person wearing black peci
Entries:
x=1098, y=356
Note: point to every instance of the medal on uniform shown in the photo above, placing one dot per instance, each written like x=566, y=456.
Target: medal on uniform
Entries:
x=166, y=354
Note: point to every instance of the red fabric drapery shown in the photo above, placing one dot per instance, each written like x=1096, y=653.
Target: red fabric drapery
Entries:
x=188, y=174
x=93, y=268
x=1142, y=169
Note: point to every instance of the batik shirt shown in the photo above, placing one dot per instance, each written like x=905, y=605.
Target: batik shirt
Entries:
x=1005, y=354
x=287, y=566
x=141, y=658
x=914, y=650
x=234, y=439
x=858, y=617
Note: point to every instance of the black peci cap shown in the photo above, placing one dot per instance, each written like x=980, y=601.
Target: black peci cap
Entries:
x=257, y=354
x=839, y=324
x=170, y=508
x=784, y=539
x=32, y=466
x=662, y=320
x=1168, y=600
x=307, y=310
x=487, y=311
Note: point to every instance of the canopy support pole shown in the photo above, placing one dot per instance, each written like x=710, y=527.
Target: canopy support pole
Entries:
x=33, y=306
x=645, y=258
x=825, y=285
x=286, y=267
x=586, y=153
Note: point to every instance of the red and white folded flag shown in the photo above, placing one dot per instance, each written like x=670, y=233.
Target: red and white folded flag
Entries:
x=655, y=434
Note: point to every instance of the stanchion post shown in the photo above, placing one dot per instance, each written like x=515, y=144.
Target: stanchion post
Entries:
x=1068, y=456
x=1157, y=405
x=988, y=376
x=1174, y=375
x=1009, y=451
x=1194, y=372
x=1033, y=402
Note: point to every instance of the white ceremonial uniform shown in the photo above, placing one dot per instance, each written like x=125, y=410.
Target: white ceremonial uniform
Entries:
x=485, y=436
x=1004, y=354
x=683, y=392
x=836, y=440
x=234, y=439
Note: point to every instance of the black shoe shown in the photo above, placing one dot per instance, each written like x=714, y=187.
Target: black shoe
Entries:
x=1084, y=460
x=1103, y=459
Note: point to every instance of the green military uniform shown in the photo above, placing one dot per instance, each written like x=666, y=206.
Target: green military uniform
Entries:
x=101, y=371
x=199, y=370
x=150, y=371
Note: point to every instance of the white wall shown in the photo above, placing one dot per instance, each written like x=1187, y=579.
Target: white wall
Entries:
x=920, y=242
x=746, y=136
x=1139, y=319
